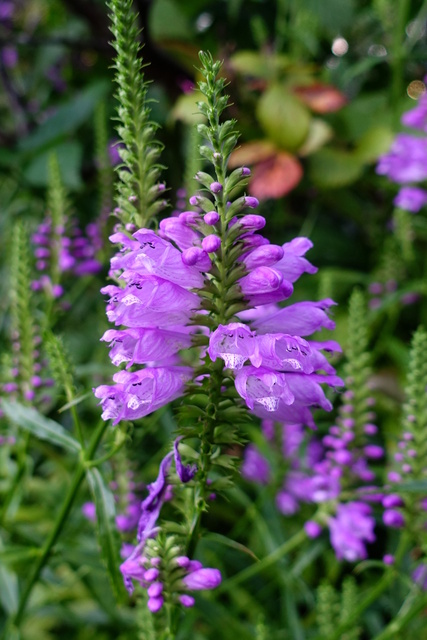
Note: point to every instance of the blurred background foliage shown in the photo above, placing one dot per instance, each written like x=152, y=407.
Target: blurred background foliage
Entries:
x=318, y=89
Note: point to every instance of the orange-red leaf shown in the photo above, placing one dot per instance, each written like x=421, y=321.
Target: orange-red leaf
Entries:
x=275, y=176
x=321, y=98
x=251, y=152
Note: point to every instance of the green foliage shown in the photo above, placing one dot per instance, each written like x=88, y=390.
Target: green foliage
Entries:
x=22, y=307
x=415, y=407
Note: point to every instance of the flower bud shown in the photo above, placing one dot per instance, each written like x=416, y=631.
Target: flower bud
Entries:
x=202, y=579
x=312, y=529
x=211, y=243
x=215, y=187
x=393, y=518
x=211, y=217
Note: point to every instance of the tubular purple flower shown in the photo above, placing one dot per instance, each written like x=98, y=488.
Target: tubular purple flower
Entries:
x=139, y=393
x=151, y=506
x=156, y=257
x=133, y=567
x=255, y=467
x=142, y=345
x=150, y=301
x=406, y=161
x=235, y=343
x=285, y=353
x=264, y=285
x=352, y=527
x=417, y=117
x=196, y=256
x=411, y=199
x=301, y=319
x=263, y=386
x=185, y=472
x=181, y=234
x=292, y=265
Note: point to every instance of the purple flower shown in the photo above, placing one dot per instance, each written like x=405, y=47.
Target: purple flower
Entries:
x=255, y=467
x=89, y=511
x=406, y=161
x=411, y=199
x=285, y=352
x=235, y=343
x=137, y=394
x=417, y=117
x=301, y=319
x=263, y=386
x=143, y=345
x=150, y=301
x=350, y=530
x=419, y=576
x=133, y=567
x=292, y=265
x=151, y=506
x=185, y=473
x=264, y=285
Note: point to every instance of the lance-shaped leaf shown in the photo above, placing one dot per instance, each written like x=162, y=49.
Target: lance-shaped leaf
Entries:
x=40, y=426
x=107, y=531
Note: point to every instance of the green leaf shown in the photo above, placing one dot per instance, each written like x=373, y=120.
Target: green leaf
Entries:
x=168, y=21
x=18, y=553
x=109, y=539
x=373, y=143
x=228, y=542
x=69, y=155
x=416, y=486
x=67, y=118
x=39, y=426
x=332, y=168
x=9, y=591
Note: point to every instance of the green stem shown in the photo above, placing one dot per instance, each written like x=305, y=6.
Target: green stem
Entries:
x=401, y=621
x=19, y=475
x=266, y=562
x=57, y=528
x=387, y=579
x=398, y=49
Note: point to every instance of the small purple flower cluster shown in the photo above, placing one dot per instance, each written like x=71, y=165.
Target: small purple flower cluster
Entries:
x=406, y=162
x=160, y=568
x=73, y=252
x=321, y=473
x=19, y=384
x=162, y=311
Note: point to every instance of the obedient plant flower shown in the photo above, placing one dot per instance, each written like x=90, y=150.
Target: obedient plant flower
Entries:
x=73, y=252
x=405, y=163
x=350, y=529
x=158, y=564
x=163, y=292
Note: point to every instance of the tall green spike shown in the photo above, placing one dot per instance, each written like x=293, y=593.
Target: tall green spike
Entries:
x=138, y=192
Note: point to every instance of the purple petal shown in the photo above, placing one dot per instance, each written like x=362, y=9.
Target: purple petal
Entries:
x=185, y=472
